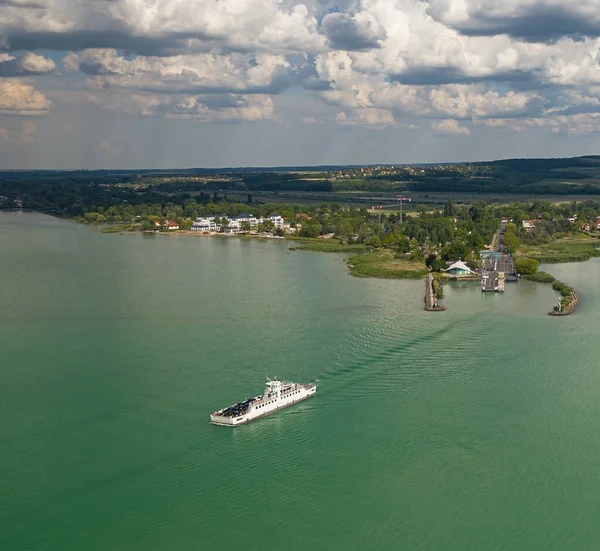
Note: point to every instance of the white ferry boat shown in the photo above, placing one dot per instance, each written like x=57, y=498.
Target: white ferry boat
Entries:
x=277, y=395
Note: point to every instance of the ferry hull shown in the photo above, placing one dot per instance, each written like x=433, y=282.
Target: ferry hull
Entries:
x=243, y=419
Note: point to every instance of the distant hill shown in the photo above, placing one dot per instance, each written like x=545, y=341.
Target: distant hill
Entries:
x=562, y=176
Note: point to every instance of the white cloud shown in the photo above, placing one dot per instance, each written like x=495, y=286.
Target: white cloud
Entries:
x=376, y=63
x=535, y=20
x=162, y=25
x=27, y=64
x=450, y=126
x=36, y=64
x=579, y=124
x=19, y=98
x=236, y=108
x=367, y=117
x=186, y=73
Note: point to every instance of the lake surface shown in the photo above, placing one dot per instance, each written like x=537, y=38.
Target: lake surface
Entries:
x=475, y=428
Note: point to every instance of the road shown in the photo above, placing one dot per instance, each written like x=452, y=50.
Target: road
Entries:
x=494, y=266
x=503, y=264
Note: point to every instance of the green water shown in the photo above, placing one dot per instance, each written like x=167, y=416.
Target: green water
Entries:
x=476, y=428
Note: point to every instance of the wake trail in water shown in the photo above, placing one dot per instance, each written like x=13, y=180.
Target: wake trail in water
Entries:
x=430, y=355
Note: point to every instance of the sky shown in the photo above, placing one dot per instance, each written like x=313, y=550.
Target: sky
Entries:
x=224, y=83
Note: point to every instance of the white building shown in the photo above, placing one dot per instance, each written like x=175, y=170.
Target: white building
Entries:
x=207, y=223
x=277, y=219
x=459, y=268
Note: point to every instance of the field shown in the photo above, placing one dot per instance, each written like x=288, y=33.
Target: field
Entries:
x=388, y=200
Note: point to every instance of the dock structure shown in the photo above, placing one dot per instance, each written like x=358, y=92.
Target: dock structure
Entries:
x=492, y=282
x=496, y=264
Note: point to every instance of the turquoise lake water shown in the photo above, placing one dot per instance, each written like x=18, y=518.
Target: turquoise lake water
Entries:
x=475, y=428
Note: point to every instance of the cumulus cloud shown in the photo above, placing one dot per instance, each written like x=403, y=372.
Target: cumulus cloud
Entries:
x=531, y=20
x=359, y=32
x=25, y=65
x=200, y=73
x=248, y=109
x=201, y=108
x=450, y=126
x=150, y=27
x=375, y=63
x=19, y=98
x=367, y=117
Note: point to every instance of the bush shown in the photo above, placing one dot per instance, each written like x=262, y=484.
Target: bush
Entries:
x=541, y=277
x=527, y=266
x=560, y=286
x=438, y=288
x=374, y=242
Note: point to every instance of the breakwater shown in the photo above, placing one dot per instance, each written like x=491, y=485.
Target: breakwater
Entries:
x=431, y=300
x=569, y=308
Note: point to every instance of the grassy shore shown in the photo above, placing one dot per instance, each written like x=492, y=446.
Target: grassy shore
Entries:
x=567, y=249
x=326, y=245
x=384, y=264
x=117, y=228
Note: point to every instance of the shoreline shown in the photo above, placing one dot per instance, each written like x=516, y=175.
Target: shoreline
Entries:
x=367, y=263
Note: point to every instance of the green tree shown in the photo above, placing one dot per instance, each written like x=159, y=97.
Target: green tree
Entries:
x=449, y=208
x=438, y=265
x=526, y=266
x=403, y=245
x=456, y=250
x=245, y=227
x=266, y=226
x=430, y=260
x=310, y=228
x=511, y=241
x=374, y=242
x=345, y=230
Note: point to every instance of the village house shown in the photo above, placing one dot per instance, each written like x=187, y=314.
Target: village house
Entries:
x=170, y=225
x=529, y=224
